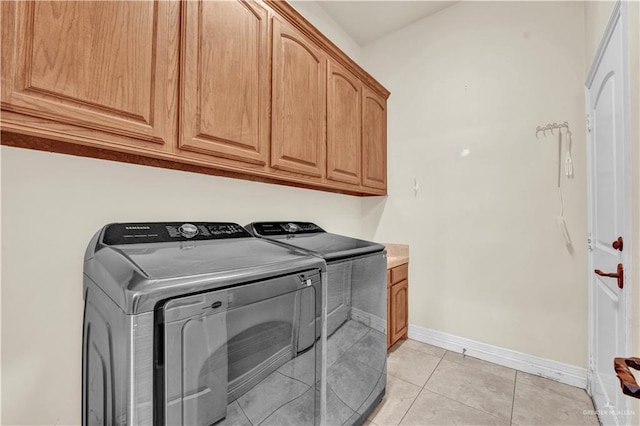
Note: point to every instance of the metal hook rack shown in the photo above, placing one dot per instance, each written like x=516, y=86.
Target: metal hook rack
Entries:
x=551, y=127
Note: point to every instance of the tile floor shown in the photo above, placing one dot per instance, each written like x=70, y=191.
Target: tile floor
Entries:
x=427, y=385
x=355, y=377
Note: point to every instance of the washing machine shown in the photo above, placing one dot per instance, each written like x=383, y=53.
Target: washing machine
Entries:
x=356, y=312
x=200, y=323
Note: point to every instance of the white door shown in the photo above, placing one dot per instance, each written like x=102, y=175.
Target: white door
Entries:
x=608, y=154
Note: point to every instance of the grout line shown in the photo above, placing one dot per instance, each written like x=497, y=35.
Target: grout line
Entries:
x=341, y=400
x=285, y=403
x=513, y=401
x=455, y=400
x=295, y=378
x=423, y=353
x=348, y=347
x=434, y=370
x=480, y=369
x=428, y=344
x=466, y=405
x=482, y=361
x=242, y=411
x=421, y=389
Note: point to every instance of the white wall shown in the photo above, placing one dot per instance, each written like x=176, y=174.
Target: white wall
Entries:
x=487, y=260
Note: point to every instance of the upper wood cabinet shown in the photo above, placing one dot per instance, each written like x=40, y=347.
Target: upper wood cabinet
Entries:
x=105, y=66
x=224, y=97
x=374, y=140
x=239, y=88
x=298, y=103
x=344, y=136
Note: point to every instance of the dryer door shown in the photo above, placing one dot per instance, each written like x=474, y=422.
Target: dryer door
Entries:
x=233, y=354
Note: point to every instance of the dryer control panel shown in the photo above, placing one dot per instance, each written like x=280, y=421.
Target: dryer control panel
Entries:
x=284, y=228
x=160, y=232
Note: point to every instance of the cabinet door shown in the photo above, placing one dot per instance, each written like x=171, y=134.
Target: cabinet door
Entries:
x=225, y=87
x=399, y=314
x=298, y=99
x=343, y=125
x=104, y=65
x=374, y=140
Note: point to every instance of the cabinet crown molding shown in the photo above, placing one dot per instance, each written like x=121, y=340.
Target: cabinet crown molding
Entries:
x=294, y=17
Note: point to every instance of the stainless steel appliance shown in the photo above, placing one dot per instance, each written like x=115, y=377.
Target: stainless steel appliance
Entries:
x=356, y=313
x=199, y=323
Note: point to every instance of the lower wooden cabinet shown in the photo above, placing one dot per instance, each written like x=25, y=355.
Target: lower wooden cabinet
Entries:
x=397, y=304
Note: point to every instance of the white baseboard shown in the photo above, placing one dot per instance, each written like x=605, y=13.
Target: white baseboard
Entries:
x=554, y=370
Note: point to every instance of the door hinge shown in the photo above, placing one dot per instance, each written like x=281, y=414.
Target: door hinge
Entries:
x=589, y=243
x=588, y=123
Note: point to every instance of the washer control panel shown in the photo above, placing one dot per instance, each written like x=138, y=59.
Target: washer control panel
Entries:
x=285, y=228
x=161, y=232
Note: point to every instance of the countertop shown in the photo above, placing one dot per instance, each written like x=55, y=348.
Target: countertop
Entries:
x=397, y=254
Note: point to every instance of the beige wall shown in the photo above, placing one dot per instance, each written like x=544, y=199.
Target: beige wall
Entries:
x=51, y=206
x=487, y=259
x=315, y=14
x=596, y=17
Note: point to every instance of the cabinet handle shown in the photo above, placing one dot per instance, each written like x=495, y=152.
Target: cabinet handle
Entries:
x=627, y=381
x=619, y=275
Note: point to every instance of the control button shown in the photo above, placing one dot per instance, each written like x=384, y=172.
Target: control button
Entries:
x=291, y=227
x=188, y=230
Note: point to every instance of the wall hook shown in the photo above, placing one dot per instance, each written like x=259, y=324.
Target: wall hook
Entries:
x=551, y=127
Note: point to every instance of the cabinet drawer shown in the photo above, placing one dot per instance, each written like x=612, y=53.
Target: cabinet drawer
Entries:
x=399, y=273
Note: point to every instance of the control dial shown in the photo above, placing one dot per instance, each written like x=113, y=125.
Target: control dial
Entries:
x=291, y=227
x=188, y=230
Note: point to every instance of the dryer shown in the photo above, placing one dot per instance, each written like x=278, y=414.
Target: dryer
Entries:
x=199, y=323
x=356, y=311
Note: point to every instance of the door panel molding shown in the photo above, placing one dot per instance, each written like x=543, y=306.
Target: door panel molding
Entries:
x=104, y=83
x=225, y=55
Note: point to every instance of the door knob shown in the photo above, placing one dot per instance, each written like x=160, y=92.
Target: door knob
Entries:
x=617, y=244
x=619, y=275
x=627, y=381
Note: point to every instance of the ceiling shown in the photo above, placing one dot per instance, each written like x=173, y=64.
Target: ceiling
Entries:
x=366, y=21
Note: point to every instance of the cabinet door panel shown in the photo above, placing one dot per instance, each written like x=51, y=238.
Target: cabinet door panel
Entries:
x=399, y=273
x=298, y=113
x=374, y=140
x=343, y=126
x=98, y=65
x=225, y=88
x=399, y=314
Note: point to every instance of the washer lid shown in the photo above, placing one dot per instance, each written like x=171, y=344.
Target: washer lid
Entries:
x=310, y=237
x=136, y=275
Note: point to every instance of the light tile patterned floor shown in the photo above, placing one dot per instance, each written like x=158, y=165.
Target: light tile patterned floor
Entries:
x=427, y=385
